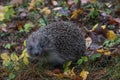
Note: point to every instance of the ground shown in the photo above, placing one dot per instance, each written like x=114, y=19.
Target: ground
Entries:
x=98, y=20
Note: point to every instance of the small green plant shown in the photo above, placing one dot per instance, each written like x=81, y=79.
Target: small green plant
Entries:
x=94, y=10
x=6, y=12
x=8, y=46
x=110, y=43
x=66, y=65
x=83, y=59
x=94, y=56
x=27, y=27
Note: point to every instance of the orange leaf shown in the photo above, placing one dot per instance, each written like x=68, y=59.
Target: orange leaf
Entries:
x=19, y=25
x=31, y=5
x=75, y=13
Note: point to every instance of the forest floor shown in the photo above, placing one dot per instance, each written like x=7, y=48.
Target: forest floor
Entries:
x=99, y=21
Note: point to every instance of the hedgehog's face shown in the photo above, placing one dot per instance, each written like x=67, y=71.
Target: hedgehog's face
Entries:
x=38, y=47
x=34, y=48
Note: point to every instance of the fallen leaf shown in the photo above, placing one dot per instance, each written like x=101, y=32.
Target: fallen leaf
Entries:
x=75, y=13
x=103, y=26
x=61, y=75
x=46, y=11
x=70, y=73
x=19, y=25
x=88, y=42
x=110, y=35
x=31, y=5
x=2, y=16
x=57, y=8
x=105, y=52
x=84, y=74
x=14, y=57
x=25, y=60
x=5, y=62
x=24, y=54
x=5, y=56
x=94, y=27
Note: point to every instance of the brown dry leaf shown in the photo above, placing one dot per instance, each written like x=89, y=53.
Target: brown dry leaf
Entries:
x=84, y=74
x=105, y=52
x=16, y=2
x=75, y=13
x=110, y=35
x=31, y=5
x=49, y=73
x=112, y=22
x=46, y=11
x=19, y=25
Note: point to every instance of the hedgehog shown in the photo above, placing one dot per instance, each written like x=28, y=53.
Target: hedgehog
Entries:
x=56, y=43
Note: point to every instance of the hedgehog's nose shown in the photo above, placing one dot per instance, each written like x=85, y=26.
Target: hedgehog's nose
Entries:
x=36, y=54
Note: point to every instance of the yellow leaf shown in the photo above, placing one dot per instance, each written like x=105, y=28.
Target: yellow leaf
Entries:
x=94, y=27
x=105, y=52
x=24, y=54
x=111, y=35
x=25, y=60
x=46, y=10
x=5, y=62
x=2, y=16
x=103, y=26
x=70, y=73
x=24, y=43
x=16, y=66
x=5, y=56
x=100, y=50
x=14, y=57
x=84, y=74
x=75, y=13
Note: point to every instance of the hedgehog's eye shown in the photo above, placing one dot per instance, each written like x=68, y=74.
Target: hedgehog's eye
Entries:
x=30, y=48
